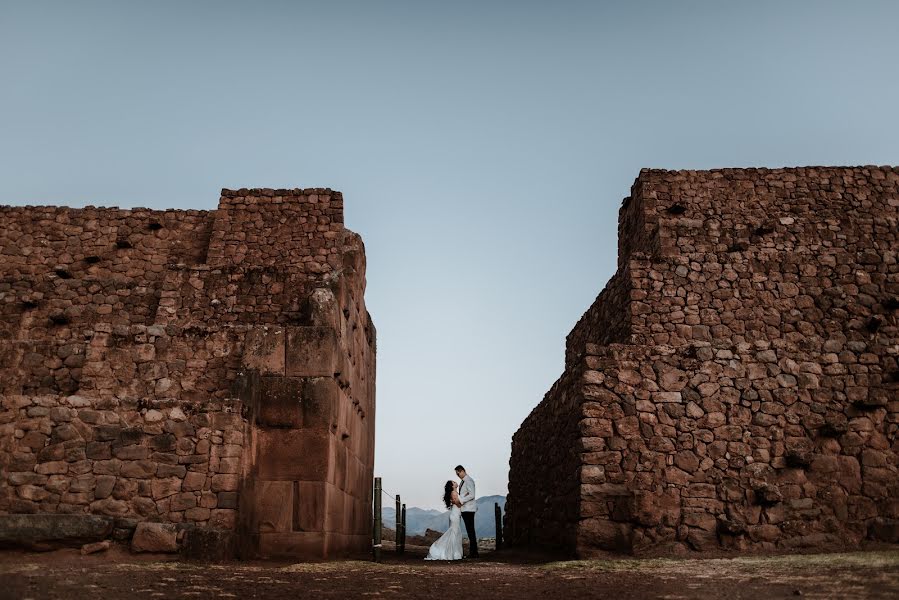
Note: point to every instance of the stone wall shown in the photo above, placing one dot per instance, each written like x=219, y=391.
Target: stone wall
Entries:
x=752, y=400
x=140, y=367
x=545, y=452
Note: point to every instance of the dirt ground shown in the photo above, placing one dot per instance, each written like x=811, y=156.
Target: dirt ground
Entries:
x=65, y=574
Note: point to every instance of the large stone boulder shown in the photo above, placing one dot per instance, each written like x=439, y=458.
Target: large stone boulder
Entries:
x=49, y=531
x=155, y=537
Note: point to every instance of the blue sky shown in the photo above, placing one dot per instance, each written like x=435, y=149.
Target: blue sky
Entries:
x=483, y=149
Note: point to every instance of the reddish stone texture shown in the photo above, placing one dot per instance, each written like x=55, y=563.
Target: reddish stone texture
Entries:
x=214, y=368
x=735, y=385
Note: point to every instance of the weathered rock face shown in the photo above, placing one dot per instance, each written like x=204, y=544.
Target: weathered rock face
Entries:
x=207, y=368
x=736, y=383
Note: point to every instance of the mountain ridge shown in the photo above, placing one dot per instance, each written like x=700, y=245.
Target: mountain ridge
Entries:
x=419, y=520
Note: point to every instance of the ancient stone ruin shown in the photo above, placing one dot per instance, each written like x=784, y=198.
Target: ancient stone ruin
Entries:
x=735, y=385
x=213, y=372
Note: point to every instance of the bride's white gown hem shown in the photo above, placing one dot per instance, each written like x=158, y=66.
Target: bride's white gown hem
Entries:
x=449, y=545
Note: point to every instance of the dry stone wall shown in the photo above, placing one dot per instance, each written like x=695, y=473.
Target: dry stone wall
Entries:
x=131, y=378
x=752, y=400
x=548, y=453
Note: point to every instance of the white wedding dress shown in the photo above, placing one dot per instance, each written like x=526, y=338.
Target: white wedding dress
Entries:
x=449, y=545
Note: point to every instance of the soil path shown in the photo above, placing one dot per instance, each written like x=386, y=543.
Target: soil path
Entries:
x=117, y=574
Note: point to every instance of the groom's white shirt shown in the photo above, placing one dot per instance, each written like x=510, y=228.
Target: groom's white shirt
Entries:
x=466, y=495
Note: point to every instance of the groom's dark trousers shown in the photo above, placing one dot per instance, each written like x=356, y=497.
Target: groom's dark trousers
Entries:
x=468, y=518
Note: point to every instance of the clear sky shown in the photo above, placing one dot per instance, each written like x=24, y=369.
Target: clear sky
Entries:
x=483, y=149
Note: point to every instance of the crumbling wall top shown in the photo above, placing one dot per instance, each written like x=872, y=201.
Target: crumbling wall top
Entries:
x=723, y=210
x=297, y=229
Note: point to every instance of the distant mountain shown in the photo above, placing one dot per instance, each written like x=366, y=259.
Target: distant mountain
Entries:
x=419, y=519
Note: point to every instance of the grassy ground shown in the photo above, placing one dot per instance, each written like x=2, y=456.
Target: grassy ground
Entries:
x=67, y=575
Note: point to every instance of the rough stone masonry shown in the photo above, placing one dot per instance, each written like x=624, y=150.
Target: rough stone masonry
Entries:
x=212, y=370
x=735, y=385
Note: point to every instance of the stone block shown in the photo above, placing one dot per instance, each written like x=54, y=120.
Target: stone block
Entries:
x=104, y=486
x=356, y=483
x=884, y=530
x=208, y=499
x=223, y=518
x=310, y=505
x=228, y=465
x=226, y=500
x=193, y=481
x=226, y=482
x=293, y=545
x=155, y=537
x=164, y=470
x=605, y=534
x=653, y=509
x=183, y=501
x=339, y=511
x=292, y=454
x=338, y=467
x=110, y=506
x=312, y=352
x=98, y=450
x=96, y=547
x=702, y=540
x=33, y=493
x=210, y=545
x=322, y=398
x=343, y=545
x=265, y=350
x=52, y=468
x=667, y=397
x=49, y=531
x=280, y=402
x=163, y=488
x=324, y=308
x=198, y=513
x=271, y=506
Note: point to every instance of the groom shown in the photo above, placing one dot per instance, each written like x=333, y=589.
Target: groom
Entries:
x=469, y=507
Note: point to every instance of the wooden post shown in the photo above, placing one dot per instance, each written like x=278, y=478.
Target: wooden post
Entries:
x=498, y=513
x=399, y=524
x=376, y=543
x=403, y=538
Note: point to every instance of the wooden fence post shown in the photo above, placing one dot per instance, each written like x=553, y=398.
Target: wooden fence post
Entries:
x=403, y=538
x=399, y=524
x=376, y=547
x=498, y=514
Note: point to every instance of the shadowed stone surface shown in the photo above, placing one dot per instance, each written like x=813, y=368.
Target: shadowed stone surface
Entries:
x=207, y=544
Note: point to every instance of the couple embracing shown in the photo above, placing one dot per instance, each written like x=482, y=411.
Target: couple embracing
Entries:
x=460, y=500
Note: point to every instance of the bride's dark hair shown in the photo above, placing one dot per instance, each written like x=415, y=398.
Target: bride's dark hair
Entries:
x=448, y=494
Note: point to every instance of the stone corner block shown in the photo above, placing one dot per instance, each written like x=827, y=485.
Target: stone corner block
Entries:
x=312, y=352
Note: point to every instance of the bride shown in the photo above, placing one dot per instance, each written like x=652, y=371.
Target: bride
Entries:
x=449, y=545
